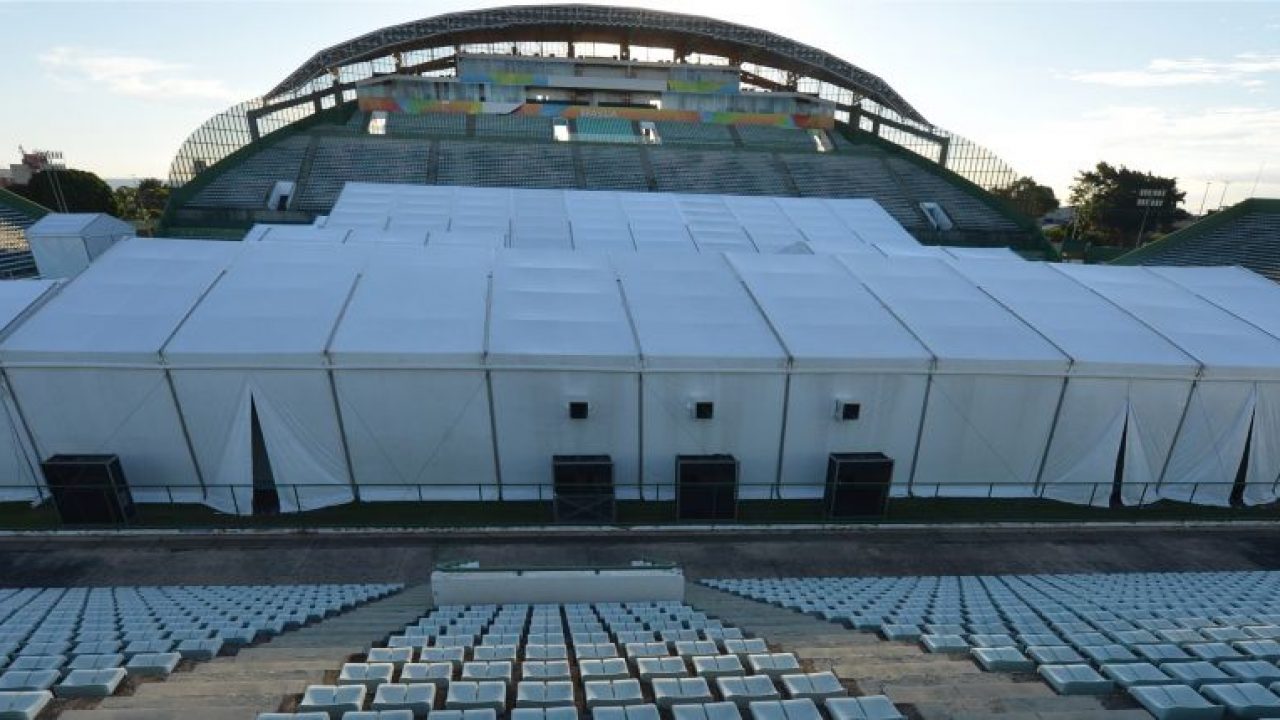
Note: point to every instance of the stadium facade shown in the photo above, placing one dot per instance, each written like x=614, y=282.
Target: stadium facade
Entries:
x=587, y=97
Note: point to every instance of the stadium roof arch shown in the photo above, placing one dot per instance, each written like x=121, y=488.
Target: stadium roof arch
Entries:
x=601, y=23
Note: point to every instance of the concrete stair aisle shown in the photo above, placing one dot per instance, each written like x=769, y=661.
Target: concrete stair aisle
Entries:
x=258, y=679
x=925, y=685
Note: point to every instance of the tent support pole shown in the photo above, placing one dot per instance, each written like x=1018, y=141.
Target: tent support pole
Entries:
x=186, y=433
x=342, y=435
x=488, y=386
x=924, y=413
x=1177, y=433
x=1053, y=430
x=493, y=433
x=640, y=436
x=333, y=388
x=782, y=435
x=26, y=428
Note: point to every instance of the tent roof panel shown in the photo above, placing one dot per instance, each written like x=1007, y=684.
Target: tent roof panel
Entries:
x=1227, y=346
x=964, y=328
x=270, y=308
x=1245, y=294
x=826, y=318
x=416, y=309
x=691, y=312
x=124, y=306
x=558, y=308
x=1097, y=335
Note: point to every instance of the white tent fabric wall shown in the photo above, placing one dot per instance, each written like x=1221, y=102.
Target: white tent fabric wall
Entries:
x=1255, y=300
x=558, y=332
x=995, y=385
x=844, y=347
x=408, y=371
x=86, y=369
x=1123, y=376
x=1238, y=363
x=703, y=339
x=20, y=476
x=258, y=340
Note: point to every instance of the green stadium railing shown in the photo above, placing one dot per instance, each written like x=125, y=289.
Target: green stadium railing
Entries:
x=1191, y=232
x=17, y=203
x=1038, y=243
x=180, y=196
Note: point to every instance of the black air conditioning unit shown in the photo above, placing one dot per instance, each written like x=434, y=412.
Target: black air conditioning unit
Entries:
x=706, y=487
x=584, y=489
x=858, y=485
x=89, y=489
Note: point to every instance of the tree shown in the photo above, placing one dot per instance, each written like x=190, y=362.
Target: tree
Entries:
x=82, y=190
x=1029, y=197
x=1106, y=202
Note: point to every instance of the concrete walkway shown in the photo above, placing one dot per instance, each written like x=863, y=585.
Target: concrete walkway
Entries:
x=923, y=685
x=261, y=678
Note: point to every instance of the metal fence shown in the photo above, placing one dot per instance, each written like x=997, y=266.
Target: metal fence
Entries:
x=486, y=504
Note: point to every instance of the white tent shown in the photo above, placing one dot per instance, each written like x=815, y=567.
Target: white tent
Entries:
x=1255, y=300
x=1238, y=361
x=86, y=369
x=558, y=333
x=64, y=244
x=845, y=347
x=255, y=345
x=995, y=384
x=599, y=221
x=702, y=339
x=20, y=476
x=408, y=371
x=1126, y=383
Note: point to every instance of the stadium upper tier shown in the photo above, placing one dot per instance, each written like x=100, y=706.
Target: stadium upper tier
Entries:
x=588, y=97
x=508, y=151
x=1247, y=234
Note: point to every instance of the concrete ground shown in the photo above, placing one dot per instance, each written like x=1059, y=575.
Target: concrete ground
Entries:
x=409, y=557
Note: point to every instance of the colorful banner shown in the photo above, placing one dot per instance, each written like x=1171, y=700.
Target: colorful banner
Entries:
x=411, y=105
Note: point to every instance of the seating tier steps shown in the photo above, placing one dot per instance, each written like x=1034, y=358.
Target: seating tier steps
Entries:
x=258, y=679
x=939, y=687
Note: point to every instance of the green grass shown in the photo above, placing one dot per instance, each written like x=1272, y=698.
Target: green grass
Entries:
x=942, y=511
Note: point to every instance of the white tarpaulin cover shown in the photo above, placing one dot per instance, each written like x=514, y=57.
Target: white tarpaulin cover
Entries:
x=995, y=385
x=1237, y=359
x=1127, y=383
x=20, y=478
x=408, y=360
x=558, y=333
x=257, y=341
x=844, y=347
x=1255, y=300
x=599, y=221
x=86, y=369
x=702, y=339
x=388, y=369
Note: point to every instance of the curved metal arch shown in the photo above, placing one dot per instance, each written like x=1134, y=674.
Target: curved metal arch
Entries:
x=585, y=23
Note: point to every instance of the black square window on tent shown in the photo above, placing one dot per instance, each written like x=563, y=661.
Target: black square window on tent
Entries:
x=578, y=410
x=704, y=410
x=850, y=411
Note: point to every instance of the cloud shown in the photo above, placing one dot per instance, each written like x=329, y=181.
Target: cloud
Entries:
x=131, y=75
x=1219, y=144
x=1243, y=69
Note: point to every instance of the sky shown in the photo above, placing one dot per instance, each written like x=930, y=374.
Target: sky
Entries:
x=1190, y=90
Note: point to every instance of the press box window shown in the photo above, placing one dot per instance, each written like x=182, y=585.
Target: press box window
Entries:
x=578, y=410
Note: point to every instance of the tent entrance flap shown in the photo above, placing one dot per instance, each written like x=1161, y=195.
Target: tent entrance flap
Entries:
x=300, y=439
x=1210, y=444
x=266, y=496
